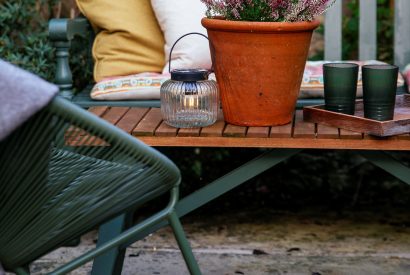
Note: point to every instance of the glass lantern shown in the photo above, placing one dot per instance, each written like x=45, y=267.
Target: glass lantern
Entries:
x=189, y=99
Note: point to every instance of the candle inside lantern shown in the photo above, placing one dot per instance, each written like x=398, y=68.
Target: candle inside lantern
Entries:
x=190, y=101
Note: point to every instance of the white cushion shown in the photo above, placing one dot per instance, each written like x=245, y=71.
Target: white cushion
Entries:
x=177, y=18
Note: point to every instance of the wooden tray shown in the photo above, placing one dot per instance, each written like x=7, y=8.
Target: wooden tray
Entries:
x=399, y=125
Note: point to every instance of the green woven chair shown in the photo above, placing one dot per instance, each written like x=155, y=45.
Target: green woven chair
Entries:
x=64, y=172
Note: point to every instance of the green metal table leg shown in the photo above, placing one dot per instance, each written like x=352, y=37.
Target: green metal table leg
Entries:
x=233, y=179
x=225, y=183
x=112, y=261
x=183, y=244
x=388, y=163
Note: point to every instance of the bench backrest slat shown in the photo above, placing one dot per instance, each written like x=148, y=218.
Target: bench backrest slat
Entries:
x=402, y=33
x=368, y=30
x=333, y=32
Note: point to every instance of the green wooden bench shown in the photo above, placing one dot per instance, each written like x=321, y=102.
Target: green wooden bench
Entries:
x=62, y=32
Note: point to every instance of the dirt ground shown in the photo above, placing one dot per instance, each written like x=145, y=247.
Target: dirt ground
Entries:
x=270, y=242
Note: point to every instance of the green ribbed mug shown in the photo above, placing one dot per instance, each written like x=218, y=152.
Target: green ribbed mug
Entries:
x=340, y=87
x=379, y=91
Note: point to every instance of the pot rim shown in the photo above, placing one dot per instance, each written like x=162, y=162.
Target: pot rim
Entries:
x=219, y=23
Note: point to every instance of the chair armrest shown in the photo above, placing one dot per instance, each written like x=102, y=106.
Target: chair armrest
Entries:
x=61, y=33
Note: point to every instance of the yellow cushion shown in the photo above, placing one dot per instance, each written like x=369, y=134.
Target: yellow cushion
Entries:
x=129, y=39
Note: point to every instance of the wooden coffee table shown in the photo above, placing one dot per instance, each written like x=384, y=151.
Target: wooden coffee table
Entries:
x=285, y=141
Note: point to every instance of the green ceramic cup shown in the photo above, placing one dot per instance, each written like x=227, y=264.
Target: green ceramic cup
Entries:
x=340, y=81
x=379, y=91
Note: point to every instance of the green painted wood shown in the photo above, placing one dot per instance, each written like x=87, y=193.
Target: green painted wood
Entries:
x=64, y=77
x=61, y=32
x=64, y=29
x=389, y=164
x=401, y=33
x=368, y=30
x=333, y=32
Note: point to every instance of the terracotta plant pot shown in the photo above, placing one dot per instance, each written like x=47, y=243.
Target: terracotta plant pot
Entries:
x=259, y=68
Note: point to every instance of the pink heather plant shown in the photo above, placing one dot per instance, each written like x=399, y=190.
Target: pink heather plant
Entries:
x=267, y=10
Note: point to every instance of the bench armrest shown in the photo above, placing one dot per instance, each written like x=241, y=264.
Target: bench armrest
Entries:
x=61, y=33
x=66, y=29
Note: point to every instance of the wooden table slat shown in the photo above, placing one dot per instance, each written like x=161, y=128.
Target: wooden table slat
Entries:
x=234, y=131
x=404, y=137
x=150, y=128
x=282, y=131
x=303, y=129
x=99, y=110
x=216, y=129
x=366, y=136
x=150, y=122
x=259, y=132
x=130, y=120
x=189, y=132
x=164, y=130
x=114, y=114
x=346, y=134
x=324, y=131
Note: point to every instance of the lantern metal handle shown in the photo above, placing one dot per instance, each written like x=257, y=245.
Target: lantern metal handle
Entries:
x=172, y=48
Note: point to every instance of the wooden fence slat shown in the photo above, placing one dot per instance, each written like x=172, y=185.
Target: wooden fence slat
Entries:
x=333, y=32
x=401, y=33
x=303, y=129
x=149, y=123
x=131, y=119
x=368, y=30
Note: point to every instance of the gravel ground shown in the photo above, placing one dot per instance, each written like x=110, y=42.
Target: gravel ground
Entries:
x=269, y=242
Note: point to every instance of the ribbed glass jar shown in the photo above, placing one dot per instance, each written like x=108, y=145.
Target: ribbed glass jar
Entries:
x=189, y=104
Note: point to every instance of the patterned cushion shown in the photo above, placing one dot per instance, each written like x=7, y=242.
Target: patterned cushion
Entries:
x=138, y=86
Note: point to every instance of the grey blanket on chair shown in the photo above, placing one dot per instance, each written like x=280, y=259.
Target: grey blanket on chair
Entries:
x=22, y=94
